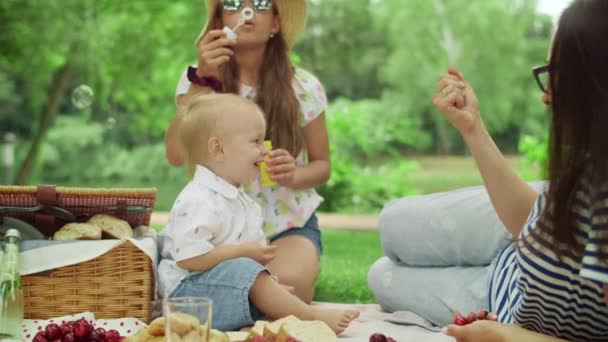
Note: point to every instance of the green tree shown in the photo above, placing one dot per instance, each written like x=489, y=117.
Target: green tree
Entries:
x=341, y=47
x=494, y=43
x=129, y=52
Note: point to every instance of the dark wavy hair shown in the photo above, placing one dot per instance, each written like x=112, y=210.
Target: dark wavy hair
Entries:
x=578, y=141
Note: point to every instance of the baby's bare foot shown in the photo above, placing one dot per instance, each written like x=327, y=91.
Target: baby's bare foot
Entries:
x=337, y=320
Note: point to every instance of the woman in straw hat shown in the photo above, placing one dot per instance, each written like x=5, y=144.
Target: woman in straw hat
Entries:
x=256, y=65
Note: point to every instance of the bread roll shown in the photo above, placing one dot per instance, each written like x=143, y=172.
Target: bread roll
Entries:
x=306, y=331
x=78, y=231
x=271, y=330
x=114, y=227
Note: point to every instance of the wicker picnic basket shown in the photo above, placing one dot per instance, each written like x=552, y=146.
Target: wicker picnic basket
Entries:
x=119, y=283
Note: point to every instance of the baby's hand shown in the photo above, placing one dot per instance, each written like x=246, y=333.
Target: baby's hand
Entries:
x=259, y=252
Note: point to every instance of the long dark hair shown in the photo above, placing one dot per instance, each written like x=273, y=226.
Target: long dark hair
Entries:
x=274, y=92
x=578, y=142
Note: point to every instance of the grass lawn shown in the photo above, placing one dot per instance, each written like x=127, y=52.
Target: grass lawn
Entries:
x=450, y=172
x=346, y=258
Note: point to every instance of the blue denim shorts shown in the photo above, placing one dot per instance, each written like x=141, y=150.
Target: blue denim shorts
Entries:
x=309, y=230
x=228, y=285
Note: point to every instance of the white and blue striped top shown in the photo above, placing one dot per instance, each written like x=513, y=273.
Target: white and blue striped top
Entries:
x=532, y=288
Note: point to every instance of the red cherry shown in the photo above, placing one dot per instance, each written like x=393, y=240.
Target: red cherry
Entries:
x=377, y=337
x=471, y=317
x=53, y=331
x=40, y=337
x=258, y=339
x=67, y=327
x=460, y=321
x=82, y=329
x=69, y=337
x=112, y=336
x=291, y=339
x=98, y=335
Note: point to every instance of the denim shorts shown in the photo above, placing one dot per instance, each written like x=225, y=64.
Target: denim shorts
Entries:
x=228, y=285
x=309, y=230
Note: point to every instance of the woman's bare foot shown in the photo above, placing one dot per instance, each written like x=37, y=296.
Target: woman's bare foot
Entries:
x=337, y=320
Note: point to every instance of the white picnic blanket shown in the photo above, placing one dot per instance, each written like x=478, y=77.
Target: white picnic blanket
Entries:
x=403, y=326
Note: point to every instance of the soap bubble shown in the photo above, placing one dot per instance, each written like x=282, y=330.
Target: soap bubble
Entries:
x=110, y=122
x=82, y=96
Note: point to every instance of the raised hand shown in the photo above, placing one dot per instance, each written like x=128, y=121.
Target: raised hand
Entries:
x=214, y=50
x=456, y=101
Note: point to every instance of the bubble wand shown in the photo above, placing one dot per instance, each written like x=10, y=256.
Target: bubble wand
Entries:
x=246, y=14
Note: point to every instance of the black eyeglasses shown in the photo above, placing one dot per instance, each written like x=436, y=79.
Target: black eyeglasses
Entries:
x=235, y=5
x=541, y=74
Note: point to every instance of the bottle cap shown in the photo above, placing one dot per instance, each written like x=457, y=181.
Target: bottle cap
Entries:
x=12, y=233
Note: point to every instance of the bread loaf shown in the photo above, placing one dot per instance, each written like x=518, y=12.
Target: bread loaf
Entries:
x=111, y=226
x=78, y=231
x=306, y=331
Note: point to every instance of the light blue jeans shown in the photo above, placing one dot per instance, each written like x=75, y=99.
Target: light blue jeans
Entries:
x=228, y=285
x=439, y=253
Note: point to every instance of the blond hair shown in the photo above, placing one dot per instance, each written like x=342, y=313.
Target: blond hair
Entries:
x=201, y=121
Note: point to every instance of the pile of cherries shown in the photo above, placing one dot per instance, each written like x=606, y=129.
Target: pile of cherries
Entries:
x=79, y=330
x=461, y=320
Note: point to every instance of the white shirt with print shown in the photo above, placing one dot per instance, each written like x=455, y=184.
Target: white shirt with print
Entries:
x=285, y=208
x=208, y=212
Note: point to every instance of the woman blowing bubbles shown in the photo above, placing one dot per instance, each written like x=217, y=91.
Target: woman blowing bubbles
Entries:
x=256, y=65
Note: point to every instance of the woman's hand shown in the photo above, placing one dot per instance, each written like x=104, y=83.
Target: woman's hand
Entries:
x=214, y=50
x=281, y=167
x=456, y=101
x=479, y=331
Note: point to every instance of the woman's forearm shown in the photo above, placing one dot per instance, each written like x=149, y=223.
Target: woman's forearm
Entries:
x=511, y=196
x=518, y=334
x=312, y=175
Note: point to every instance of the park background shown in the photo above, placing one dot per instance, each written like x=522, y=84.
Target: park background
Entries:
x=379, y=61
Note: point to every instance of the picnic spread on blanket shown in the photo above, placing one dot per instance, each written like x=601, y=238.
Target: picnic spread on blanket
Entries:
x=80, y=265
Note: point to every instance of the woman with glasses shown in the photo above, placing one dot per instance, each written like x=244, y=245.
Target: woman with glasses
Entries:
x=255, y=64
x=551, y=282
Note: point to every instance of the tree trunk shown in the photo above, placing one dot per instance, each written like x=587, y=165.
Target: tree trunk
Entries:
x=46, y=117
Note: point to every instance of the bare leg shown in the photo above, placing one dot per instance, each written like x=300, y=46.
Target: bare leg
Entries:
x=296, y=264
x=276, y=302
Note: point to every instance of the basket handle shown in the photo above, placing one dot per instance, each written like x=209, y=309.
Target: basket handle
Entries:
x=46, y=195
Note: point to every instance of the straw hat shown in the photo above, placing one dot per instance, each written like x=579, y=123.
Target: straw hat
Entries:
x=292, y=13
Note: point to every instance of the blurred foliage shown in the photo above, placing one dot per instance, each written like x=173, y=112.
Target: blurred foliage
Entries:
x=378, y=60
x=536, y=156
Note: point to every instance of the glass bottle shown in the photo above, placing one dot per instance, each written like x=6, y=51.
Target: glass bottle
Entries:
x=11, y=293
